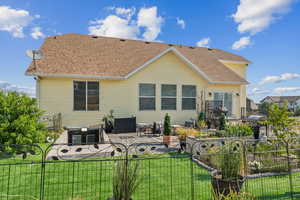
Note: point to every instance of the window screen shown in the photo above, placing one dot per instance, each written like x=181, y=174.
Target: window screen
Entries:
x=93, y=96
x=79, y=95
x=146, y=96
x=188, y=97
x=168, y=97
x=86, y=96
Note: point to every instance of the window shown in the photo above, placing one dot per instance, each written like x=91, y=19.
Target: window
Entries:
x=90, y=139
x=188, y=97
x=168, y=97
x=86, y=96
x=76, y=139
x=226, y=99
x=147, y=96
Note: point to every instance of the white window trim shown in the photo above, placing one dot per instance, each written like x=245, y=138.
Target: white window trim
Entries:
x=86, y=96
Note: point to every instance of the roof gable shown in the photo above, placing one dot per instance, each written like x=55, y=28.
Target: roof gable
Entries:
x=79, y=56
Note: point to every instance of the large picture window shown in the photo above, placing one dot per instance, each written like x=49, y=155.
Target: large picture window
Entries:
x=86, y=95
x=188, y=97
x=226, y=99
x=168, y=97
x=146, y=96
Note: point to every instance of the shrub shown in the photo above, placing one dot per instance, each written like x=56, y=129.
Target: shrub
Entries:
x=125, y=179
x=202, y=124
x=222, y=121
x=239, y=130
x=167, y=125
x=19, y=120
x=234, y=196
x=201, y=116
x=185, y=132
x=230, y=161
x=297, y=112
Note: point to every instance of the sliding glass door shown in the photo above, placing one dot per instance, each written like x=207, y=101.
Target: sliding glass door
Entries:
x=226, y=99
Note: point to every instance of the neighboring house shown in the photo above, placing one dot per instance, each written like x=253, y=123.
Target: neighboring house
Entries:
x=251, y=106
x=83, y=77
x=293, y=102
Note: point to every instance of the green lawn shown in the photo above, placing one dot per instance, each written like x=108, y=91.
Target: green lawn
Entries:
x=163, y=177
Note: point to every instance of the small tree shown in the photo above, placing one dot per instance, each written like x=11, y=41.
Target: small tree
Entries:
x=283, y=125
x=19, y=120
x=167, y=125
x=297, y=112
x=264, y=108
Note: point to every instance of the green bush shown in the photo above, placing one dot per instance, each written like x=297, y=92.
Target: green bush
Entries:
x=201, y=116
x=19, y=120
x=297, y=112
x=126, y=179
x=222, y=121
x=229, y=161
x=239, y=130
x=167, y=125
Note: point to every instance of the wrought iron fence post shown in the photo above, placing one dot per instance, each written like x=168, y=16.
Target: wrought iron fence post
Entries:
x=42, y=179
x=8, y=181
x=244, y=143
x=192, y=174
x=73, y=171
x=290, y=171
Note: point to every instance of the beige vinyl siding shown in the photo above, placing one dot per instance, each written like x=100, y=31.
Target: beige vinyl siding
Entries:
x=56, y=94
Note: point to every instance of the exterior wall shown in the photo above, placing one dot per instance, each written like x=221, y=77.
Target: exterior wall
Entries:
x=56, y=95
x=240, y=69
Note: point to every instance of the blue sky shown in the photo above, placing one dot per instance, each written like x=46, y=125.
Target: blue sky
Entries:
x=266, y=32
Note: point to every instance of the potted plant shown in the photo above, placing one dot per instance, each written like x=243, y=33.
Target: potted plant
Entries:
x=202, y=124
x=167, y=130
x=228, y=177
x=125, y=179
x=109, y=121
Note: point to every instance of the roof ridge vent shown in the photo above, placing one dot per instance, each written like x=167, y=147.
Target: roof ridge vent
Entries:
x=122, y=40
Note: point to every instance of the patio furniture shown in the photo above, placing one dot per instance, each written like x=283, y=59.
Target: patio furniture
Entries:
x=124, y=125
x=82, y=135
x=142, y=128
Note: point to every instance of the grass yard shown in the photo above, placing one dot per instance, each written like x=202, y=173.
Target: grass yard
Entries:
x=163, y=177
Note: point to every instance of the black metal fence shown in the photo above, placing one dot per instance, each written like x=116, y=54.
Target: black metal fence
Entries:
x=85, y=172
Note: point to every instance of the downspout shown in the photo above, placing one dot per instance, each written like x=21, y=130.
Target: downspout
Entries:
x=37, y=90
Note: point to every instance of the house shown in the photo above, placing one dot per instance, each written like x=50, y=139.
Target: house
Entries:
x=293, y=102
x=251, y=106
x=83, y=77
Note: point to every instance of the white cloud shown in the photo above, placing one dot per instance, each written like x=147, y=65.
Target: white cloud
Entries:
x=257, y=91
x=286, y=89
x=114, y=26
x=120, y=24
x=254, y=16
x=180, y=22
x=30, y=91
x=14, y=21
x=124, y=12
x=280, y=78
x=36, y=33
x=204, y=42
x=148, y=18
x=241, y=43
